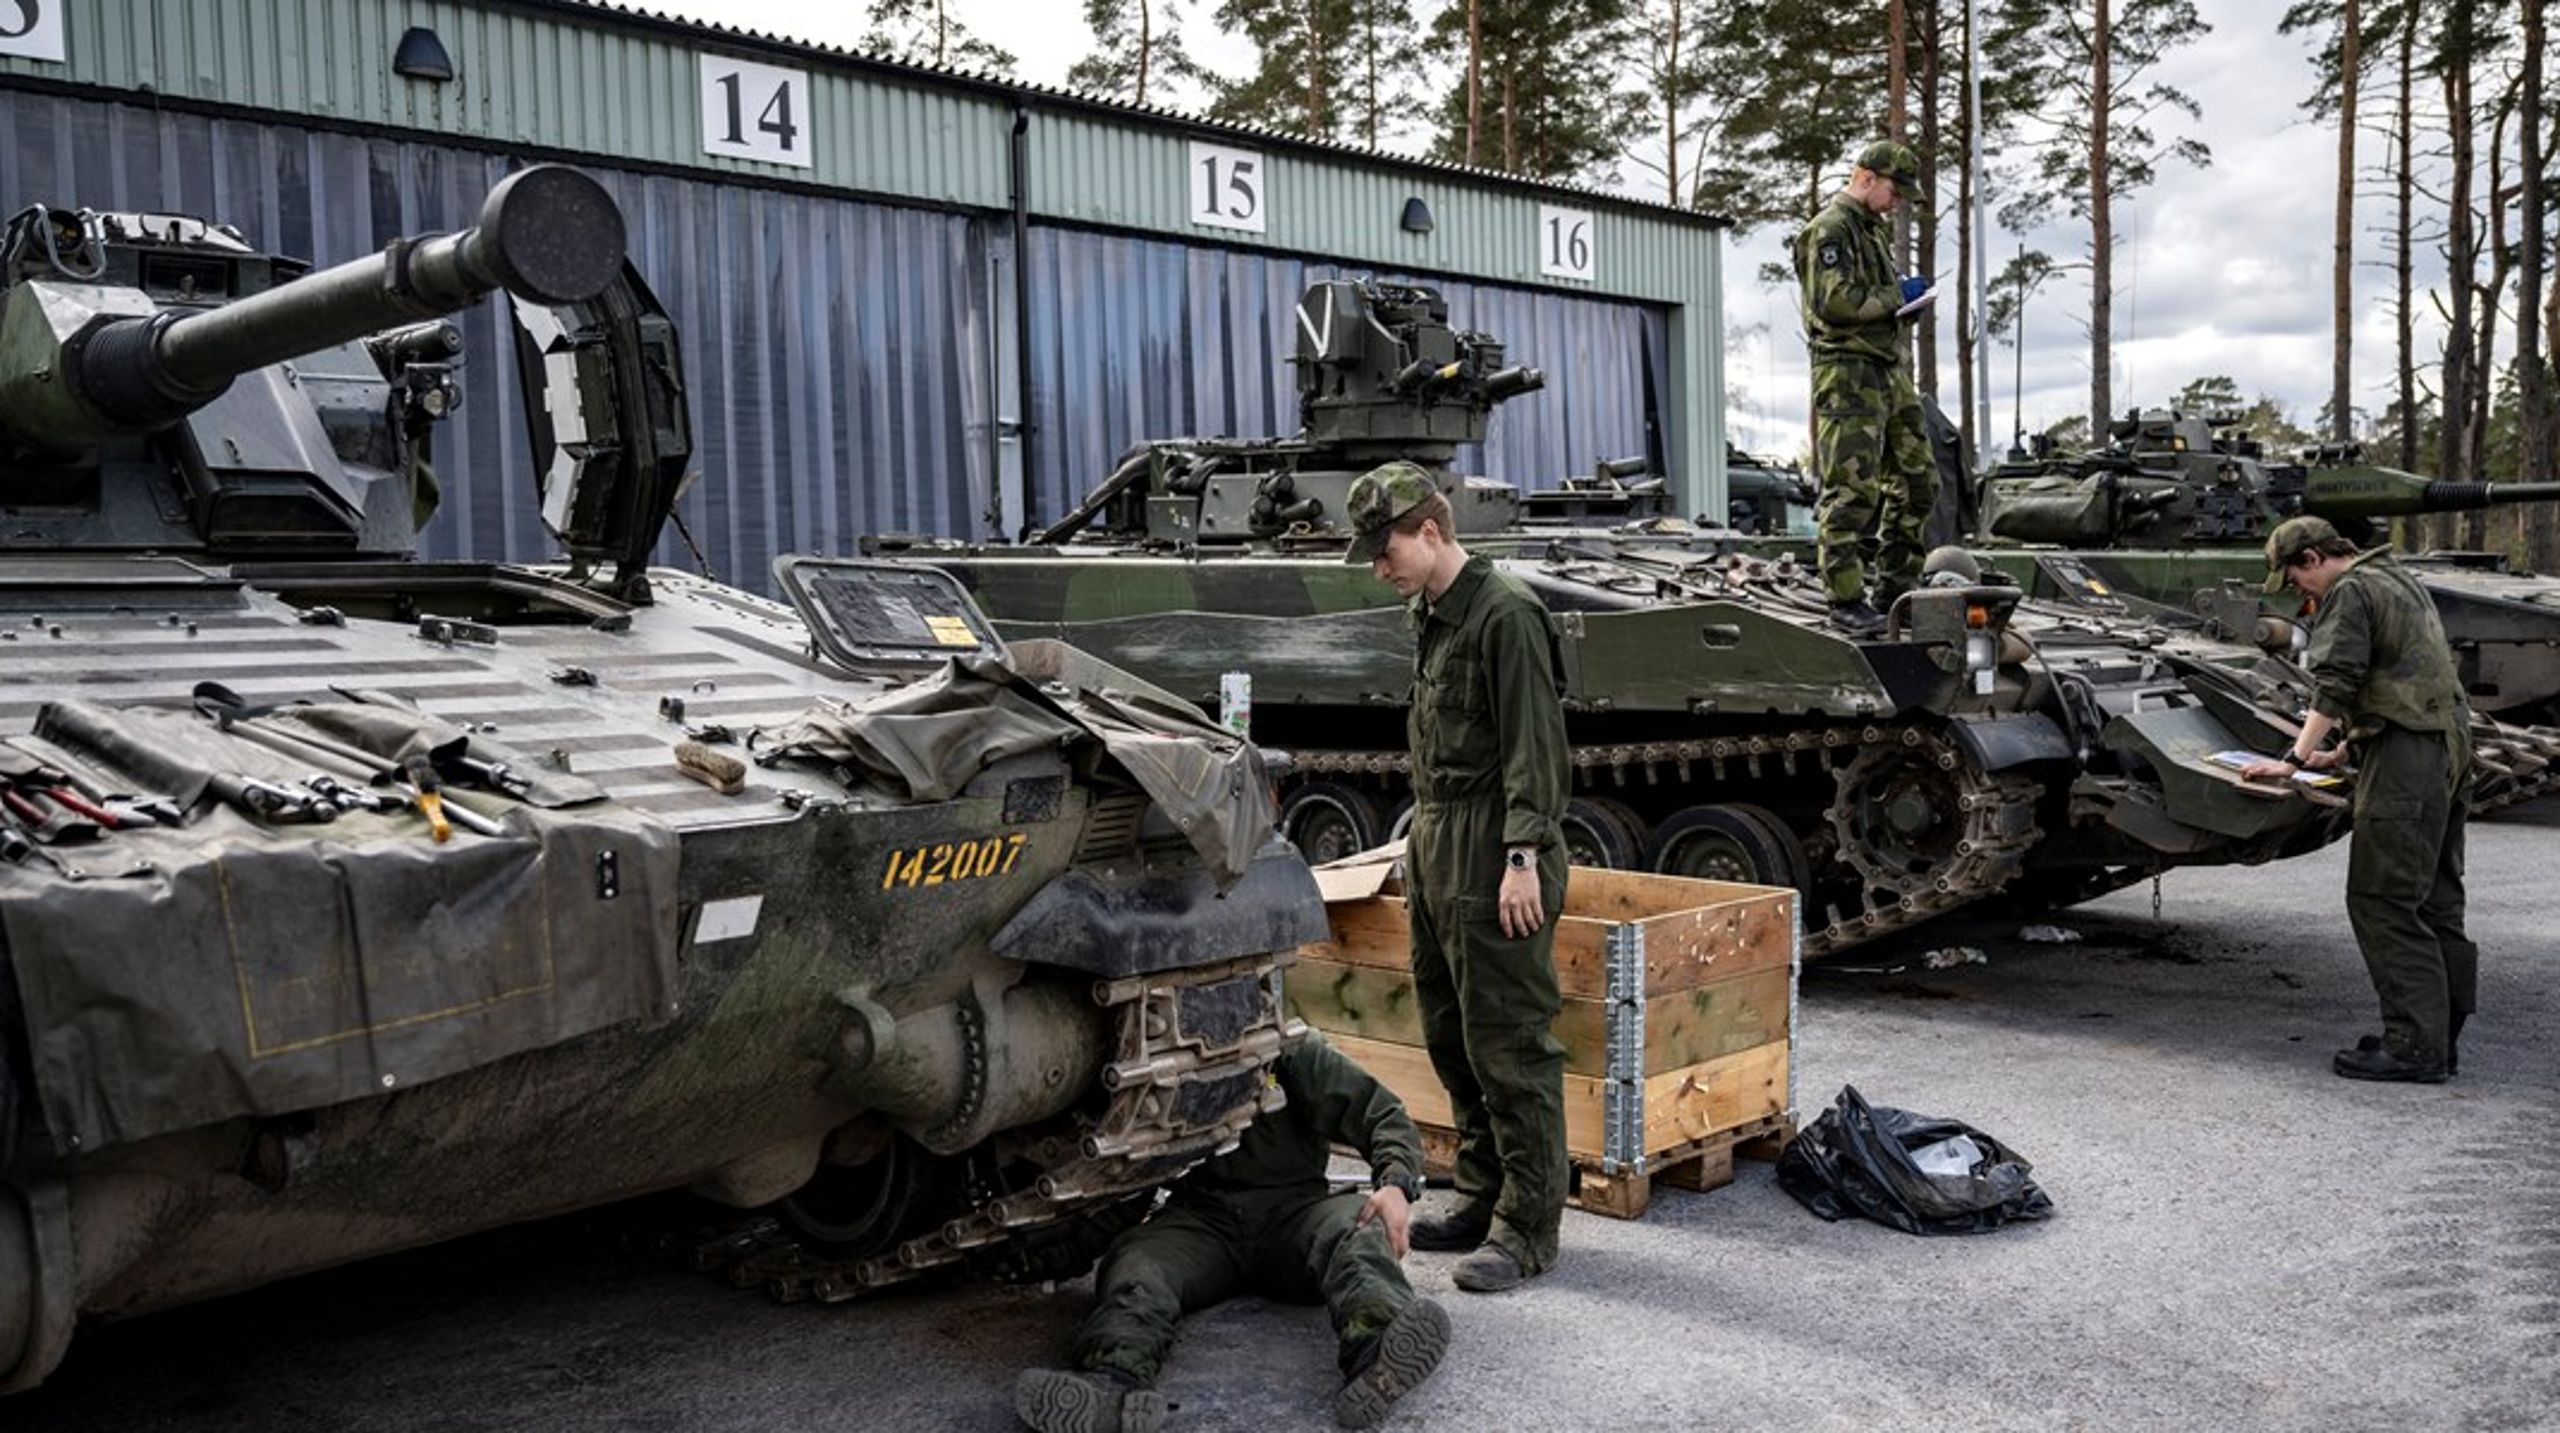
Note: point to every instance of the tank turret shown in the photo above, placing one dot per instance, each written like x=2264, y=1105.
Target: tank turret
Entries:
x=2173, y=479
x=1381, y=376
x=165, y=385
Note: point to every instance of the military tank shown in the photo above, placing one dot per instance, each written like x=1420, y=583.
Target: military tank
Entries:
x=1719, y=728
x=2180, y=503
x=351, y=902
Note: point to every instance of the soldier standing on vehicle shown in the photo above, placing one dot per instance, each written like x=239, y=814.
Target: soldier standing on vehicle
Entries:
x=1261, y=1219
x=1870, y=445
x=2383, y=670
x=1485, y=868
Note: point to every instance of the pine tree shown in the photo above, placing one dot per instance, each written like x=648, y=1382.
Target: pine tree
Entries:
x=924, y=32
x=1543, y=103
x=2096, y=61
x=1138, y=55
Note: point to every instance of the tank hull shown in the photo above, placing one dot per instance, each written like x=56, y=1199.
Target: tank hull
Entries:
x=802, y=1002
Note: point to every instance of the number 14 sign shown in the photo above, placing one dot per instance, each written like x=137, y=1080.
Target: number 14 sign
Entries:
x=752, y=111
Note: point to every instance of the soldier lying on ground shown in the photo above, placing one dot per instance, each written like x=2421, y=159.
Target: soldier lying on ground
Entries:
x=1261, y=1219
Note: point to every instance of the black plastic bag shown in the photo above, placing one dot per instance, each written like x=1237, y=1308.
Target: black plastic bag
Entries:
x=1910, y=1171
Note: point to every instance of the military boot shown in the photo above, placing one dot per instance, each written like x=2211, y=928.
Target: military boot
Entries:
x=2372, y=1060
x=1452, y=1231
x=1054, y=1400
x=1857, y=618
x=2452, y=1046
x=1391, y=1363
x=1491, y=1269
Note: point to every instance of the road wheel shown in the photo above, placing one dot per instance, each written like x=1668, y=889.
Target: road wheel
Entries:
x=1600, y=831
x=1727, y=843
x=1327, y=821
x=860, y=1210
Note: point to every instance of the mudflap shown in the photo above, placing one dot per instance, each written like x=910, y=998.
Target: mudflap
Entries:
x=1119, y=920
x=2178, y=743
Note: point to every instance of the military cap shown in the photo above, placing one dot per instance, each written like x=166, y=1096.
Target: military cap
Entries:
x=1378, y=497
x=1898, y=163
x=2293, y=537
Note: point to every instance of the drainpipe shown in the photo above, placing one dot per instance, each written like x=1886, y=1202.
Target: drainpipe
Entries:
x=1027, y=429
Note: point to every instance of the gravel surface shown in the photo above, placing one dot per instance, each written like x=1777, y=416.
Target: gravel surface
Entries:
x=2242, y=1240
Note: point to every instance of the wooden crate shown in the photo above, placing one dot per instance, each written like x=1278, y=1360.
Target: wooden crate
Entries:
x=1678, y=1019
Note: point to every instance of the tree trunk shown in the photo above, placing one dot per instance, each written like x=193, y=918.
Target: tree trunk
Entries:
x=1475, y=75
x=1510, y=108
x=2532, y=378
x=1925, y=254
x=1975, y=444
x=2342, y=258
x=1316, y=57
x=2402, y=262
x=2484, y=363
x=1897, y=123
x=1369, y=61
x=2101, y=231
x=2462, y=251
x=1146, y=44
x=1671, y=112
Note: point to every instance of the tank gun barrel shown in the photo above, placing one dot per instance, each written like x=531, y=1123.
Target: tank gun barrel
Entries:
x=548, y=233
x=2369, y=492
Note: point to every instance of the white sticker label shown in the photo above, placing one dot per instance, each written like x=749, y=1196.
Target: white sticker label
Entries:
x=32, y=29
x=727, y=919
x=1565, y=244
x=752, y=111
x=1226, y=187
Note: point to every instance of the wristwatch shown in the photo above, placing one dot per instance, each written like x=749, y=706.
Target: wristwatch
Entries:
x=1517, y=858
x=1411, y=1186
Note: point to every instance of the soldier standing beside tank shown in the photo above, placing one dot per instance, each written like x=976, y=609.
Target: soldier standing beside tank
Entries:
x=1485, y=871
x=2383, y=670
x=1870, y=445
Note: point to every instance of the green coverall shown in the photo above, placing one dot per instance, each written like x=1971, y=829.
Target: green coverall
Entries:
x=2382, y=666
x=1870, y=445
x=1489, y=772
x=1259, y=1220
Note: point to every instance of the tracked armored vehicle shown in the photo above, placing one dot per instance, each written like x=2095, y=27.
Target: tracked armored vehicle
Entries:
x=350, y=902
x=1718, y=726
x=2180, y=503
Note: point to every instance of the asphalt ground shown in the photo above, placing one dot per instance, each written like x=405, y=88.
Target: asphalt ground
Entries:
x=2241, y=1241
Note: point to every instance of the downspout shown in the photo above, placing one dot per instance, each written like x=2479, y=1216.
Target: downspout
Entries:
x=1029, y=430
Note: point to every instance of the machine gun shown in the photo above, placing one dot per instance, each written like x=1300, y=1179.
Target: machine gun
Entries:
x=1381, y=376
x=165, y=386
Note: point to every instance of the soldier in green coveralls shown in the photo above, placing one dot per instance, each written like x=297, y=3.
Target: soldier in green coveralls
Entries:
x=2383, y=670
x=1260, y=1219
x=1870, y=445
x=1485, y=869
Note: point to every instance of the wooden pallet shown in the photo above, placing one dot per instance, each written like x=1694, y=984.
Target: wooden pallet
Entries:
x=1699, y=1165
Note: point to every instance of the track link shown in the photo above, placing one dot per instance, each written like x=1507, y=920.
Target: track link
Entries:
x=1997, y=812
x=1187, y=1075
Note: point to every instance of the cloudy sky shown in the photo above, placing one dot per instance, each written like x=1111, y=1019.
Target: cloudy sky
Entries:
x=2223, y=270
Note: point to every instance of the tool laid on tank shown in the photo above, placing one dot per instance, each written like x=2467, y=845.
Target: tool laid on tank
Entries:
x=425, y=789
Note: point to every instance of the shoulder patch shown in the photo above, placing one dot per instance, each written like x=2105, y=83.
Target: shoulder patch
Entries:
x=1830, y=255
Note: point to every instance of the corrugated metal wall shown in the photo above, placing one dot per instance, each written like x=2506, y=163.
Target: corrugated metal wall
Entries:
x=1134, y=338
x=840, y=353
x=837, y=351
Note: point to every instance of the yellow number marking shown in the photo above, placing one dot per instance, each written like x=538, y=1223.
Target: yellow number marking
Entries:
x=912, y=867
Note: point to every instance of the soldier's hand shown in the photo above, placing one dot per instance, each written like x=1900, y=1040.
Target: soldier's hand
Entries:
x=1523, y=911
x=1388, y=1206
x=2325, y=758
x=2266, y=770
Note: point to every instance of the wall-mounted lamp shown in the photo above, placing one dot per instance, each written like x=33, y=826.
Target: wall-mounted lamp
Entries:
x=1417, y=216
x=421, y=56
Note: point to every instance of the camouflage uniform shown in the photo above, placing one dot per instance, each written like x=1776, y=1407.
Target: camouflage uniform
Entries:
x=2382, y=667
x=1259, y=1219
x=1489, y=772
x=1870, y=444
